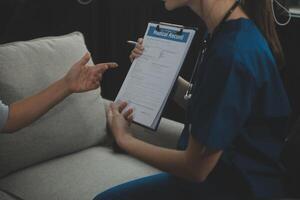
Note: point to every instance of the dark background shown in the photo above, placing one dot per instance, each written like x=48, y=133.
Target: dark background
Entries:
x=108, y=24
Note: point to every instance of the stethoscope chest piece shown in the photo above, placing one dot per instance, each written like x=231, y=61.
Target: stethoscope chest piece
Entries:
x=188, y=94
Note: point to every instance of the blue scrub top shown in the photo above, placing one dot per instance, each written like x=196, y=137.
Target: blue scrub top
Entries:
x=239, y=105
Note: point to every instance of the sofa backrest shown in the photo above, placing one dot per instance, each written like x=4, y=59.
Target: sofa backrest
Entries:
x=75, y=124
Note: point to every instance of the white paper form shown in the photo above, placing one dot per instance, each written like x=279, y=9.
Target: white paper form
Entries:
x=151, y=77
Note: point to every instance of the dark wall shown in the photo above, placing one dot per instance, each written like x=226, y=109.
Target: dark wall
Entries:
x=290, y=40
x=107, y=24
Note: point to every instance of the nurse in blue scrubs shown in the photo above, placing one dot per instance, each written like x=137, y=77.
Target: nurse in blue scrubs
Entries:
x=237, y=113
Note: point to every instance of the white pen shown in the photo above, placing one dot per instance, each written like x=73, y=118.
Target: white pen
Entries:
x=132, y=42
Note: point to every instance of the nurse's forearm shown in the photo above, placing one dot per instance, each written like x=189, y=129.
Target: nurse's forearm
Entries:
x=182, y=87
x=24, y=112
x=172, y=161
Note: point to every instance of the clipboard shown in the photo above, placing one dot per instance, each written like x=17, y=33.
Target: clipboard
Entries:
x=152, y=77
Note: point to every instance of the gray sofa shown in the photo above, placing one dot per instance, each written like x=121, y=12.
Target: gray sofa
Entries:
x=66, y=155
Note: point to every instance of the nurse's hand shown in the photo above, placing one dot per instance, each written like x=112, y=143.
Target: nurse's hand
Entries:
x=119, y=121
x=137, y=51
x=82, y=78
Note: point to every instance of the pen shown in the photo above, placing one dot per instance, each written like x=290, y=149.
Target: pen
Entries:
x=132, y=42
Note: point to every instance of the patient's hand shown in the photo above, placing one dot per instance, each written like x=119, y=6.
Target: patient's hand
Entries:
x=137, y=51
x=82, y=78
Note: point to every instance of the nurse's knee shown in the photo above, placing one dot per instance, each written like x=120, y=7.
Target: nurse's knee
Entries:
x=107, y=195
x=111, y=194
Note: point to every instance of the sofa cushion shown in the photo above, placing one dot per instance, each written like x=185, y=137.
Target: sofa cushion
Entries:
x=80, y=176
x=5, y=196
x=75, y=124
x=83, y=175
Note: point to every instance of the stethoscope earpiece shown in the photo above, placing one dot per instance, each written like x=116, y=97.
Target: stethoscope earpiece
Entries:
x=284, y=9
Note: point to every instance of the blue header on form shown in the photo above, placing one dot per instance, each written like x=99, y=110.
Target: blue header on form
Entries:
x=168, y=34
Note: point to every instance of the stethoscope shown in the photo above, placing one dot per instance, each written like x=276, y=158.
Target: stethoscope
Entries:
x=199, y=61
x=205, y=45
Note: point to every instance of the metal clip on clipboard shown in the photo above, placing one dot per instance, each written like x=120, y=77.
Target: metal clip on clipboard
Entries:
x=171, y=25
x=180, y=27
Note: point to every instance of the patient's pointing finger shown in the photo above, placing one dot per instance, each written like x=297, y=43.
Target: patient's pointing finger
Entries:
x=101, y=68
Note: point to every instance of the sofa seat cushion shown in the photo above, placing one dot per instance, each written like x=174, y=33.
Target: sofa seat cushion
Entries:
x=79, y=176
x=75, y=124
x=84, y=174
x=5, y=196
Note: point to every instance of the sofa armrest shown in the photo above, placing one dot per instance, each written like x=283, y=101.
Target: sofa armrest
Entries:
x=167, y=134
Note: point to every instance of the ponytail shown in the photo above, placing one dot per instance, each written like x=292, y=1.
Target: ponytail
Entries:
x=260, y=11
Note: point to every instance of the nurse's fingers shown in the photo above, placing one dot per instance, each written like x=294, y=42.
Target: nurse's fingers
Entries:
x=134, y=55
x=112, y=108
x=128, y=113
x=139, y=47
x=122, y=106
x=130, y=118
x=131, y=58
x=140, y=41
x=137, y=51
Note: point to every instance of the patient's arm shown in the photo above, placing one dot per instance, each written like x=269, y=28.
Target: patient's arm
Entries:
x=80, y=78
x=26, y=111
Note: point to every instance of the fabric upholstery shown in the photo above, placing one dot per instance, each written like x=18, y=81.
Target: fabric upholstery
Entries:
x=5, y=196
x=84, y=174
x=3, y=115
x=77, y=123
x=167, y=134
x=80, y=176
